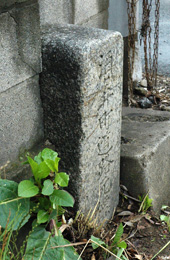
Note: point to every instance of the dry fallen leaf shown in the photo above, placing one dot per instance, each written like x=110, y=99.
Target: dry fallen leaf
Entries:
x=63, y=227
x=148, y=218
x=129, y=206
x=125, y=213
x=128, y=223
x=160, y=258
x=136, y=218
x=140, y=227
x=93, y=257
x=139, y=257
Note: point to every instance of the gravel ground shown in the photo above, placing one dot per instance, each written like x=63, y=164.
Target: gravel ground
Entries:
x=158, y=98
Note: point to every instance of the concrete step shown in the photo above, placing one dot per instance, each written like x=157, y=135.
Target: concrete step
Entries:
x=145, y=154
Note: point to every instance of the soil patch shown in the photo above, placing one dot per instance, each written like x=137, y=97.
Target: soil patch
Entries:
x=144, y=234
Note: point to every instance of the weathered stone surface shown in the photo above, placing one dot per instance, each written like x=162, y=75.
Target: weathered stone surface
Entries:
x=98, y=21
x=12, y=70
x=89, y=13
x=8, y=3
x=145, y=155
x=85, y=9
x=20, y=46
x=28, y=35
x=56, y=11
x=81, y=88
x=21, y=119
x=17, y=171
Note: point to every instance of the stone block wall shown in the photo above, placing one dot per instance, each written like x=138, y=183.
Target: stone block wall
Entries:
x=20, y=64
x=56, y=12
x=91, y=13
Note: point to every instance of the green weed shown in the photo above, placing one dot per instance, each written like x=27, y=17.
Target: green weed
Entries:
x=43, y=197
x=146, y=203
x=117, y=246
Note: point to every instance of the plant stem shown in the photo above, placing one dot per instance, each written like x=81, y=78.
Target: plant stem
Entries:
x=91, y=241
x=141, y=206
x=160, y=250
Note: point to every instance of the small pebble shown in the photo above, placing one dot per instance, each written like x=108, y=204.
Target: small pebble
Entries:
x=168, y=108
x=163, y=107
x=143, y=83
x=145, y=103
x=161, y=90
x=140, y=91
x=165, y=102
x=151, y=98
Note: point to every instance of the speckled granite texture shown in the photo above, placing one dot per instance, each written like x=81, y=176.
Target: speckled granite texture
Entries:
x=81, y=91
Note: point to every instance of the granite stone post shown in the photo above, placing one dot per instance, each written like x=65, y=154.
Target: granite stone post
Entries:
x=81, y=92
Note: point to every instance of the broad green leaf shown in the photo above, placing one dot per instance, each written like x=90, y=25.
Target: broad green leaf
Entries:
x=37, y=244
x=42, y=216
x=47, y=188
x=34, y=165
x=49, y=154
x=53, y=215
x=118, y=235
x=164, y=207
x=27, y=189
x=49, y=157
x=42, y=171
x=98, y=242
x=62, y=198
x=12, y=205
x=42, y=246
x=38, y=159
x=122, y=244
x=56, y=162
x=50, y=164
x=66, y=253
x=164, y=218
x=62, y=179
x=148, y=203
